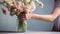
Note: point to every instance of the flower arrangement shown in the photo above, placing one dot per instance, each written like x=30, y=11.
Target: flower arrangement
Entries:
x=18, y=7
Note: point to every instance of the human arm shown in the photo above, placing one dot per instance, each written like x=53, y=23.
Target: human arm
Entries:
x=50, y=17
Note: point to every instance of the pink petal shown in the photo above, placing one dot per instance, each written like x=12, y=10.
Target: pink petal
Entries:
x=20, y=8
x=4, y=10
x=4, y=0
x=14, y=5
x=33, y=7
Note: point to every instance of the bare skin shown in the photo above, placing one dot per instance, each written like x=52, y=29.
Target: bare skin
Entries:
x=49, y=18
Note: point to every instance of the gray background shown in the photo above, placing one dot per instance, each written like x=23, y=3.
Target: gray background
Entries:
x=9, y=23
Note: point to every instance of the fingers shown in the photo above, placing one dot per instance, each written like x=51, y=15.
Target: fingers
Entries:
x=25, y=16
x=21, y=17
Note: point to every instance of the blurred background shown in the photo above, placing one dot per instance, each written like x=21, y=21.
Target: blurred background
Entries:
x=9, y=23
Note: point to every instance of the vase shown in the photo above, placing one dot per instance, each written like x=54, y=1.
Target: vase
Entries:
x=22, y=26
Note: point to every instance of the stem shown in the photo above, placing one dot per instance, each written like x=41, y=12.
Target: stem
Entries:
x=21, y=25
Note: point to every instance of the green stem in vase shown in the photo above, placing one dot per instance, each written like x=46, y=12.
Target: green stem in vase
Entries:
x=21, y=25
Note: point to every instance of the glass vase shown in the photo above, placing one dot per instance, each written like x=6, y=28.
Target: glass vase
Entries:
x=22, y=26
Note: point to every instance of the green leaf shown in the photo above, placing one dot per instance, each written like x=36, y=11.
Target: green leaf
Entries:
x=21, y=25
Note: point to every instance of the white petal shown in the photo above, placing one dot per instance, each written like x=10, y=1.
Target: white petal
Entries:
x=39, y=2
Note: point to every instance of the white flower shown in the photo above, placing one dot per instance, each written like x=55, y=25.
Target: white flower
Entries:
x=10, y=2
x=27, y=0
x=33, y=7
x=40, y=3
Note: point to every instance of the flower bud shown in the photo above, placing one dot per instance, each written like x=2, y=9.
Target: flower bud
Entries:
x=20, y=8
x=4, y=10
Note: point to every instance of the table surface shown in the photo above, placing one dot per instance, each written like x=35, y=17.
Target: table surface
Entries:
x=30, y=32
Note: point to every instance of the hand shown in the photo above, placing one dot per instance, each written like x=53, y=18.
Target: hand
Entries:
x=25, y=16
x=26, y=13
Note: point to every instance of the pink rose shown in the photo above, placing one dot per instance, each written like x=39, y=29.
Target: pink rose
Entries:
x=4, y=0
x=15, y=4
x=20, y=7
x=33, y=7
x=4, y=10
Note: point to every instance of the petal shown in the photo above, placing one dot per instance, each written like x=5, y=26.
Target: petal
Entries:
x=14, y=5
x=4, y=10
x=28, y=0
x=33, y=7
x=4, y=0
x=20, y=8
x=40, y=3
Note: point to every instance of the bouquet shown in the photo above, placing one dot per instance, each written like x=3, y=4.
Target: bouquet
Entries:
x=18, y=7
